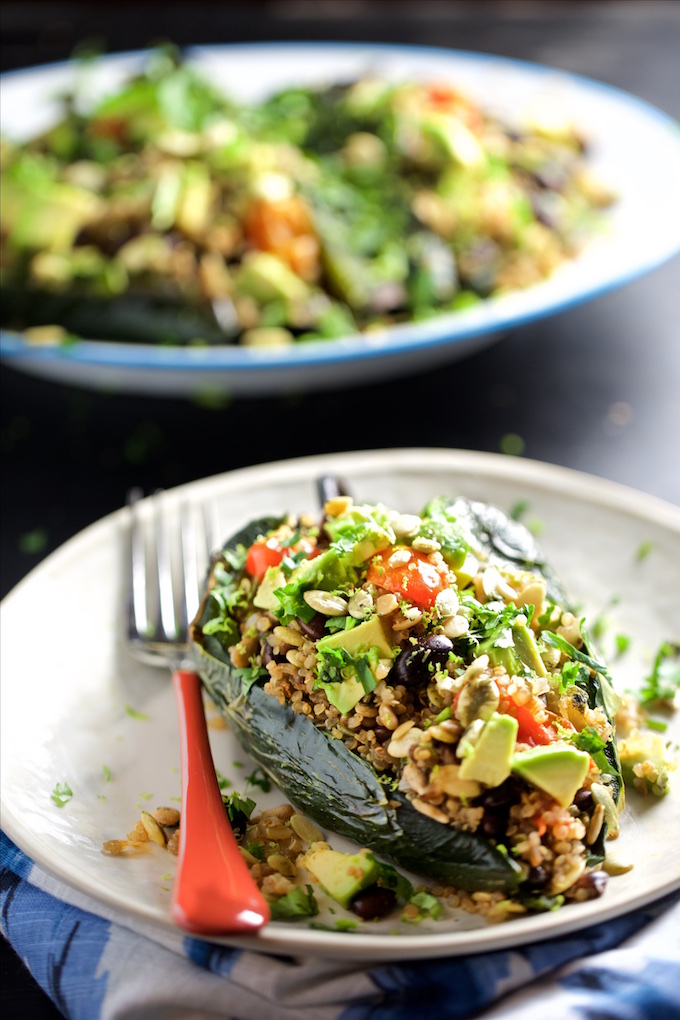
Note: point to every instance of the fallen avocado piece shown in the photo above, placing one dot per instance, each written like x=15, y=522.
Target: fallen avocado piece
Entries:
x=644, y=763
x=343, y=876
x=490, y=757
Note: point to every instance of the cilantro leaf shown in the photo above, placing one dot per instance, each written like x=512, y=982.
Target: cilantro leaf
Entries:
x=61, y=794
x=297, y=903
x=663, y=683
x=239, y=810
x=257, y=851
x=249, y=675
x=292, y=604
x=258, y=777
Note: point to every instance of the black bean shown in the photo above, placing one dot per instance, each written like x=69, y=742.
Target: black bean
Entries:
x=373, y=903
x=314, y=628
x=594, y=883
x=584, y=801
x=493, y=826
x=268, y=655
x=537, y=878
x=500, y=798
x=382, y=734
x=417, y=663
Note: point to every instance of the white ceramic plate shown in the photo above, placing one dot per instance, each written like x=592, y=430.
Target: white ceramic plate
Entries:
x=635, y=149
x=67, y=679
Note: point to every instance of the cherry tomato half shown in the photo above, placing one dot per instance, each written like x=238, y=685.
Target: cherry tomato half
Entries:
x=416, y=579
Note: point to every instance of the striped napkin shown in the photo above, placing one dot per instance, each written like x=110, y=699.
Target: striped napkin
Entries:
x=96, y=962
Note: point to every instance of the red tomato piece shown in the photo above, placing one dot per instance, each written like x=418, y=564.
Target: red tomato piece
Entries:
x=416, y=579
x=263, y=555
x=531, y=731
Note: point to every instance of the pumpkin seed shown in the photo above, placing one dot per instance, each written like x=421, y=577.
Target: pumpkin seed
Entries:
x=305, y=829
x=282, y=864
x=325, y=602
x=361, y=604
x=406, y=525
x=166, y=816
x=153, y=829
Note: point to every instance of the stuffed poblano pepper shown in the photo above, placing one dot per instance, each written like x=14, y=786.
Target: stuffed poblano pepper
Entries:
x=418, y=684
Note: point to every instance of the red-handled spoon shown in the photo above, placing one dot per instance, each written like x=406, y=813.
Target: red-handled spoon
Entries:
x=214, y=893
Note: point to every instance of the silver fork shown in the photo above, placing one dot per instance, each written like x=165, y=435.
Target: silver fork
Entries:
x=213, y=893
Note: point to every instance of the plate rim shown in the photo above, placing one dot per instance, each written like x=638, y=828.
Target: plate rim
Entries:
x=445, y=329
x=521, y=931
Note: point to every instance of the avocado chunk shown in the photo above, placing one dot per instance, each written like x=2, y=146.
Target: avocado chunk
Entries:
x=343, y=876
x=356, y=642
x=264, y=597
x=644, y=764
x=267, y=278
x=489, y=759
x=515, y=649
x=365, y=636
x=345, y=694
x=559, y=769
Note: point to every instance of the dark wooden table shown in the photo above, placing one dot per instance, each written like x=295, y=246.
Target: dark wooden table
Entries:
x=596, y=388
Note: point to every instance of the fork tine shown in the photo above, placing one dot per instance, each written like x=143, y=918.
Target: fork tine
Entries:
x=166, y=593
x=139, y=617
x=190, y=565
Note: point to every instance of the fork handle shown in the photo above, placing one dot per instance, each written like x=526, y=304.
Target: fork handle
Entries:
x=214, y=893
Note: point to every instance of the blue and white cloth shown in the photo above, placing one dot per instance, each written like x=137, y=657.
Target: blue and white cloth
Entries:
x=97, y=963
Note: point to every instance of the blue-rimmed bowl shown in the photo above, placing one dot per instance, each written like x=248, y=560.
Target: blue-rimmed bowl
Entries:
x=635, y=149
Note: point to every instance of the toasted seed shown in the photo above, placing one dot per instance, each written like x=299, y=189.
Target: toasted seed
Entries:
x=446, y=602
x=282, y=864
x=325, y=602
x=426, y=545
x=386, y=604
x=153, y=829
x=430, y=811
x=114, y=847
x=595, y=824
x=361, y=604
x=166, y=816
x=399, y=747
x=403, y=728
x=247, y=856
x=399, y=558
x=615, y=867
x=305, y=829
x=455, y=626
x=405, y=525
x=278, y=832
x=387, y=717
x=288, y=636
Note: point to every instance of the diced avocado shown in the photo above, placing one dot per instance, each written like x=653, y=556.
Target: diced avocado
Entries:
x=559, y=769
x=325, y=572
x=515, y=648
x=603, y=795
x=265, y=277
x=367, y=535
x=467, y=571
x=489, y=759
x=264, y=597
x=527, y=649
x=192, y=213
x=501, y=652
x=644, y=764
x=343, y=876
x=370, y=634
x=49, y=219
x=345, y=694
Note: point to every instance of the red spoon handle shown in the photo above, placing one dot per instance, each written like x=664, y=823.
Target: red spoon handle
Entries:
x=214, y=893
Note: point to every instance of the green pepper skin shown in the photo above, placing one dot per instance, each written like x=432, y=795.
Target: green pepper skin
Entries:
x=337, y=788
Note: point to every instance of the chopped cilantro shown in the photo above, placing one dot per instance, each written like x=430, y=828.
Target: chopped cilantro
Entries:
x=222, y=781
x=134, y=714
x=258, y=777
x=335, y=623
x=519, y=509
x=346, y=924
x=622, y=643
x=427, y=904
x=588, y=740
x=644, y=549
x=239, y=809
x=237, y=764
x=536, y=526
x=235, y=558
x=107, y=773
x=337, y=664
x=663, y=683
x=249, y=675
x=145, y=796
x=297, y=903
x=257, y=850
x=292, y=604
x=61, y=794
x=573, y=674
